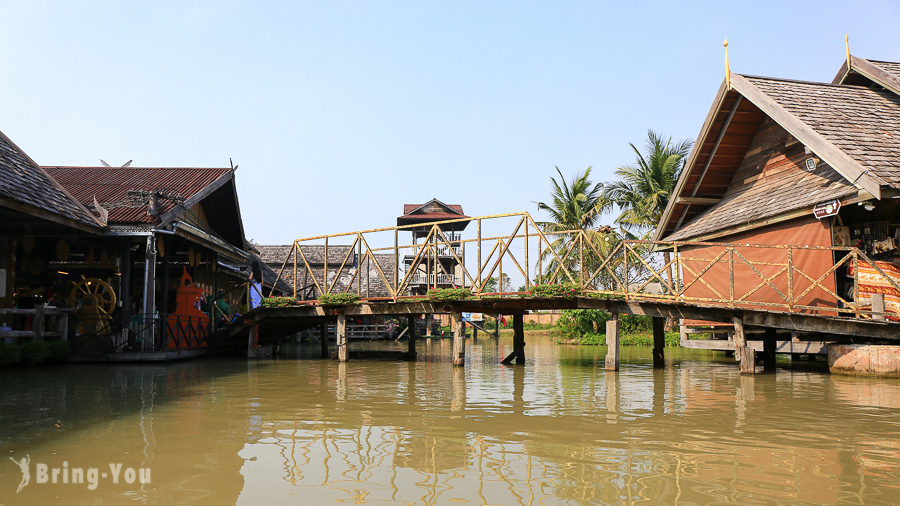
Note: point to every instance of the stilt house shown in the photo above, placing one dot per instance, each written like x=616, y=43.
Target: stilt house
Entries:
x=783, y=162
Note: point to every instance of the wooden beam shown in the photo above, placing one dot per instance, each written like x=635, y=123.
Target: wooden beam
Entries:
x=341, y=338
x=459, y=339
x=748, y=360
x=659, y=342
x=612, y=343
x=697, y=200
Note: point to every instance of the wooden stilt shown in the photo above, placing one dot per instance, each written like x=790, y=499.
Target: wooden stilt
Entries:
x=459, y=339
x=770, y=343
x=252, y=340
x=518, y=352
x=411, y=336
x=323, y=338
x=341, y=338
x=740, y=339
x=612, y=343
x=659, y=342
x=748, y=360
x=429, y=322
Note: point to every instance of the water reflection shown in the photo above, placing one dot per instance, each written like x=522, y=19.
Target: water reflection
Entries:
x=558, y=430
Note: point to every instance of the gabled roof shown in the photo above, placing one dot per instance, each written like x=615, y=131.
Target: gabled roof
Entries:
x=433, y=210
x=27, y=188
x=110, y=186
x=864, y=72
x=854, y=130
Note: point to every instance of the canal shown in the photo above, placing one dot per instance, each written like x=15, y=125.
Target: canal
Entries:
x=560, y=430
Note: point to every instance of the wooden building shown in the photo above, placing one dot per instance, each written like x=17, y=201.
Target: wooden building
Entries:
x=132, y=252
x=784, y=162
x=440, y=268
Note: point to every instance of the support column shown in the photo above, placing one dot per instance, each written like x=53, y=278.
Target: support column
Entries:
x=659, y=342
x=429, y=321
x=459, y=338
x=341, y=337
x=497, y=329
x=411, y=334
x=252, y=340
x=770, y=344
x=740, y=339
x=748, y=360
x=612, y=343
x=149, y=293
x=323, y=338
x=518, y=352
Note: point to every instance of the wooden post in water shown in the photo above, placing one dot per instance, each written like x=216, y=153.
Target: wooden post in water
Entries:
x=340, y=334
x=459, y=338
x=612, y=343
x=429, y=322
x=770, y=344
x=519, y=338
x=659, y=342
x=323, y=338
x=411, y=335
x=518, y=352
x=740, y=339
x=748, y=360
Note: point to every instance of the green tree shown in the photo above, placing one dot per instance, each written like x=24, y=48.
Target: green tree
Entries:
x=490, y=285
x=575, y=206
x=642, y=190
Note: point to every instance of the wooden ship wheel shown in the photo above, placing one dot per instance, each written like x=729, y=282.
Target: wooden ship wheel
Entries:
x=94, y=301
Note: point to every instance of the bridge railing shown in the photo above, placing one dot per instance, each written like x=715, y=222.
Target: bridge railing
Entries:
x=831, y=281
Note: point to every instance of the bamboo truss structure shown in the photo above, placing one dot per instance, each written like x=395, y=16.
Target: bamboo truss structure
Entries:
x=597, y=264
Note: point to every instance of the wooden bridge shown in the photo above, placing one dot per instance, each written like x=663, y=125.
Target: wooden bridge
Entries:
x=773, y=290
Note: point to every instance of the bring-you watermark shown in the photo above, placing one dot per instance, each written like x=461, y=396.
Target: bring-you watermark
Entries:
x=114, y=473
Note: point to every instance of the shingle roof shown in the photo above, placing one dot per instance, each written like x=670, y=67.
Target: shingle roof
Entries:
x=889, y=67
x=274, y=255
x=21, y=180
x=767, y=197
x=862, y=122
x=111, y=186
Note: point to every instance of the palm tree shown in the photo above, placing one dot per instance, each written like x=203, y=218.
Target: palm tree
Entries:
x=643, y=189
x=576, y=206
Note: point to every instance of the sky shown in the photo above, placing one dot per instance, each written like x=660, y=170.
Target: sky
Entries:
x=340, y=112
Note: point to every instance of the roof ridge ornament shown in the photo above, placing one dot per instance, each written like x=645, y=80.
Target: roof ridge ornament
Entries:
x=847, y=46
x=727, y=66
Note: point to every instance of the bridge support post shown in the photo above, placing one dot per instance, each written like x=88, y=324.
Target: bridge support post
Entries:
x=659, y=342
x=459, y=338
x=770, y=344
x=518, y=352
x=740, y=339
x=748, y=360
x=612, y=343
x=429, y=322
x=341, y=338
x=323, y=338
x=411, y=335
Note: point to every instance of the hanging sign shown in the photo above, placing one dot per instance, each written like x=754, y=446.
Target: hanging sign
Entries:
x=826, y=209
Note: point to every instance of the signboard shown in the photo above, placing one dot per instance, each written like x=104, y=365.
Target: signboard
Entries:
x=472, y=317
x=826, y=209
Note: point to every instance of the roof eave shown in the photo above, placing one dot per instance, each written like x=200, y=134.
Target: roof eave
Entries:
x=692, y=158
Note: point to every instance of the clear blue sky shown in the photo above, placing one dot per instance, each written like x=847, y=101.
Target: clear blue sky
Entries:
x=340, y=112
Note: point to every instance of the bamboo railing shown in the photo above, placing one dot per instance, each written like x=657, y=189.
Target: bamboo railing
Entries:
x=599, y=264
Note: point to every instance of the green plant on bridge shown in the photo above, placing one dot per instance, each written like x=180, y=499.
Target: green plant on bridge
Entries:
x=556, y=290
x=337, y=299
x=447, y=294
x=277, y=302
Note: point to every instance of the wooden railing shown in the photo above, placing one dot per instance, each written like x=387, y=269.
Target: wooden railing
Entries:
x=786, y=278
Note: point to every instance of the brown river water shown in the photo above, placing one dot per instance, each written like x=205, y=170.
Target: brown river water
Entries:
x=559, y=430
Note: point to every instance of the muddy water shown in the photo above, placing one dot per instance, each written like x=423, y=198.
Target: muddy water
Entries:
x=559, y=430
